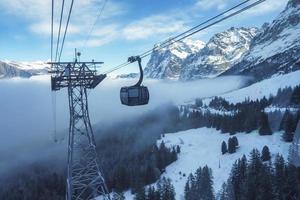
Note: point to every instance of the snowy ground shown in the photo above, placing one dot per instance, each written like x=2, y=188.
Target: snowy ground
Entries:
x=263, y=88
x=200, y=147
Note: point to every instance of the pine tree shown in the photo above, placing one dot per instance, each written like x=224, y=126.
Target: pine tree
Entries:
x=264, y=128
x=231, y=146
x=253, y=170
x=224, y=147
x=283, y=120
x=178, y=150
x=265, y=189
x=200, y=185
x=235, y=140
x=170, y=191
x=224, y=193
x=206, y=184
x=296, y=96
x=265, y=154
x=290, y=187
x=294, y=151
x=189, y=190
x=167, y=191
x=289, y=127
x=140, y=194
x=196, y=188
x=151, y=193
x=279, y=176
x=238, y=177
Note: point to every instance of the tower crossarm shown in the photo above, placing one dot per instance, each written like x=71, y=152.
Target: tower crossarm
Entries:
x=64, y=74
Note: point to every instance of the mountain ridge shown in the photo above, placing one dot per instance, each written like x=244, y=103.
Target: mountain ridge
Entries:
x=220, y=52
x=166, y=63
x=275, y=50
x=11, y=69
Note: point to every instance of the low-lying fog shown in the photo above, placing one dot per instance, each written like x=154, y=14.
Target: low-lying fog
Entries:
x=26, y=111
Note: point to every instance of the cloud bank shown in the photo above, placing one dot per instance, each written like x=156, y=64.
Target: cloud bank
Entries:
x=27, y=123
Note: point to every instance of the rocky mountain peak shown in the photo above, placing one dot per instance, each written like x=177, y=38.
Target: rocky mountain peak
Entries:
x=293, y=4
x=275, y=50
x=9, y=69
x=221, y=51
x=166, y=63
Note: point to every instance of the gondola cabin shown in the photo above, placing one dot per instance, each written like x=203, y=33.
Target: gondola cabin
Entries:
x=134, y=95
x=137, y=94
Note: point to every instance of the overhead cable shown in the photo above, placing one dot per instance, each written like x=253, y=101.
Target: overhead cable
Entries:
x=66, y=30
x=59, y=28
x=96, y=21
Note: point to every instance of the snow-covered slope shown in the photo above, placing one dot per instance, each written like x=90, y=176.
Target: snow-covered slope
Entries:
x=275, y=50
x=9, y=69
x=263, y=88
x=166, y=63
x=200, y=147
x=131, y=75
x=222, y=50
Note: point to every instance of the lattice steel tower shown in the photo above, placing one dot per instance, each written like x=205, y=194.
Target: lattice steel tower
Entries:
x=84, y=178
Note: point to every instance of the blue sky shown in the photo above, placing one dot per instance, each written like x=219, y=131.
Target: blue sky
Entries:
x=126, y=27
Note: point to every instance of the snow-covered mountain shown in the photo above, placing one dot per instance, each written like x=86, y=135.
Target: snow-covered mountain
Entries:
x=129, y=76
x=218, y=55
x=275, y=50
x=166, y=63
x=9, y=69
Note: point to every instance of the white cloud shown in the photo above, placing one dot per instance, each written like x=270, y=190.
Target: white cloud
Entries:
x=210, y=4
x=43, y=28
x=152, y=26
x=264, y=8
x=267, y=7
x=29, y=9
x=99, y=37
x=38, y=13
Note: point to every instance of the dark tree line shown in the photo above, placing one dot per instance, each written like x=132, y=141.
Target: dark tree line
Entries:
x=245, y=116
x=164, y=190
x=134, y=171
x=200, y=185
x=287, y=97
x=140, y=169
x=39, y=183
x=289, y=124
x=259, y=179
